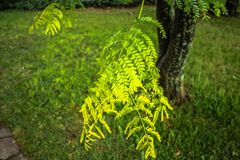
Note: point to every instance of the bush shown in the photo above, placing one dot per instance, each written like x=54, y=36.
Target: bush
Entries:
x=40, y=4
x=5, y=4
x=110, y=2
x=102, y=3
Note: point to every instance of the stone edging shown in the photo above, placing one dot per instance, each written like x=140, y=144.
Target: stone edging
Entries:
x=9, y=150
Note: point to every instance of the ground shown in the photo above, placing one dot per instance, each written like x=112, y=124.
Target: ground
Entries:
x=44, y=80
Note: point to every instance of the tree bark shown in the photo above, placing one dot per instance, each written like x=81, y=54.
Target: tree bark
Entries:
x=231, y=6
x=173, y=53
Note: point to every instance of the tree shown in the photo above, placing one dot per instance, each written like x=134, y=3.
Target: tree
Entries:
x=179, y=21
x=231, y=6
x=174, y=49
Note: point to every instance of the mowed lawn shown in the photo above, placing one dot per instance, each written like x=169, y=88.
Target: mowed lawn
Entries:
x=44, y=80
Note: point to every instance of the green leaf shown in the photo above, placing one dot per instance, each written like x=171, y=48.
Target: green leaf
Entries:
x=154, y=133
x=95, y=134
x=104, y=123
x=126, y=110
x=142, y=143
x=149, y=122
x=134, y=130
x=100, y=132
x=132, y=123
x=156, y=114
x=82, y=135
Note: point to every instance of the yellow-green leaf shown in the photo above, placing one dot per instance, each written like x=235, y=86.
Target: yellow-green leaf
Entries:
x=95, y=134
x=154, y=133
x=141, y=143
x=133, y=123
x=100, y=132
x=104, y=123
x=134, y=130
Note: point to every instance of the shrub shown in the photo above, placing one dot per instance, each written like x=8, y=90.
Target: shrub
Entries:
x=40, y=4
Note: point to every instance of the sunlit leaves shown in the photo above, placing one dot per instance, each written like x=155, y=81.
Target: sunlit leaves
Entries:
x=154, y=22
x=50, y=20
x=127, y=88
x=200, y=8
x=104, y=123
x=133, y=122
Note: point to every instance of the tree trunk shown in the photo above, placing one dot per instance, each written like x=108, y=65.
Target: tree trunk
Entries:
x=173, y=53
x=231, y=6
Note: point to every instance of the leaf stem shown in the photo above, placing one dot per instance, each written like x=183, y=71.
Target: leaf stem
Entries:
x=141, y=10
x=139, y=114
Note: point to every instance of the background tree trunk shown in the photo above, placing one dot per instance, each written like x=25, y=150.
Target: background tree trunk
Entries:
x=180, y=28
x=231, y=6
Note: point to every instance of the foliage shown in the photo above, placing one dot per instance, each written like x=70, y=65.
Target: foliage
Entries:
x=127, y=85
x=68, y=4
x=215, y=6
x=29, y=4
x=127, y=88
x=50, y=19
x=41, y=4
x=114, y=2
x=200, y=8
x=205, y=128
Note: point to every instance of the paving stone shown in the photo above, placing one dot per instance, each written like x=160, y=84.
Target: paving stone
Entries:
x=18, y=157
x=8, y=148
x=5, y=133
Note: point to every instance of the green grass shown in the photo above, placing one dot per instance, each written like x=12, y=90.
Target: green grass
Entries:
x=44, y=80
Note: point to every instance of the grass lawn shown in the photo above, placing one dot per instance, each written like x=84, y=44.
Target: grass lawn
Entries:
x=44, y=80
